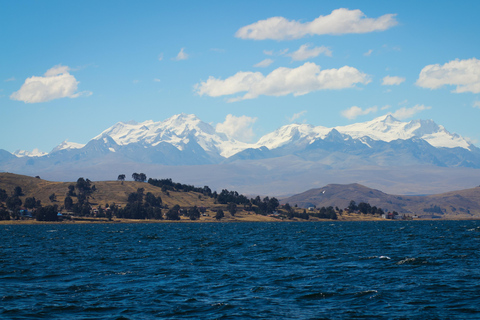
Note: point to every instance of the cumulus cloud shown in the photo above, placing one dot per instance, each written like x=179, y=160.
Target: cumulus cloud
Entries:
x=297, y=115
x=282, y=81
x=392, y=81
x=305, y=52
x=340, y=21
x=239, y=128
x=476, y=104
x=405, y=113
x=56, y=83
x=464, y=74
x=264, y=63
x=355, y=111
x=182, y=55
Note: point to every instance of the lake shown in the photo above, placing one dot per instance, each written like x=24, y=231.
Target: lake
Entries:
x=298, y=270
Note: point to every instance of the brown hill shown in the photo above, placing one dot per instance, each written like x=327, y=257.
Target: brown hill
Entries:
x=106, y=191
x=460, y=204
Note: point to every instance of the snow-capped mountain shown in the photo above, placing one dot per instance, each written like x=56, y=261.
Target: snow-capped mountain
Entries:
x=66, y=145
x=298, y=155
x=385, y=128
x=177, y=131
x=24, y=153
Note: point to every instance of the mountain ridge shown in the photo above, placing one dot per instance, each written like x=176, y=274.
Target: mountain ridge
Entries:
x=292, y=158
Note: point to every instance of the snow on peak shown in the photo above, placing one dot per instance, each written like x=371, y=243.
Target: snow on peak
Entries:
x=34, y=153
x=177, y=130
x=304, y=133
x=387, y=128
x=66, y=145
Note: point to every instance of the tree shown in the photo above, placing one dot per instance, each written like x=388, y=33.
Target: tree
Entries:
x=52, y=197
x=68, y=203
x=30, y=202
x=352, y=206
x=121, y=177
x=219, y=215
x=140, y=177
x=48, y=213
x=13, y=203
x=3, y=195
x=232, y=208
x=17, y=192
x=71, y=191
x=173, y=213
x=4, y=214
x=193, y=213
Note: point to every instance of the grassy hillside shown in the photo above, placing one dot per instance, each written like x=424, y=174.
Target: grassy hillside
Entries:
x=106, y=191
x=115, y=192
x=460, y=204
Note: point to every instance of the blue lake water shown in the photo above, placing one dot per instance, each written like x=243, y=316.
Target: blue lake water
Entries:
x=312, y=270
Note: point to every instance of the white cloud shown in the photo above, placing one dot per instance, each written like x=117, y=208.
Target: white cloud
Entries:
x=368, y=53
x=405, y=113
x=10, y=79
x=476, y=104
x=305, y=52
x=297, y=115
x=268, y=52
x=464, y=74
x=239, y=128
x=156, y=80
x=385, y=107
x=264, y=63
x=282, y=81
x=340, y=21
x=392, y=81
x=355, y=111
x=182, y=55
x=56, y=83
x=160, y=57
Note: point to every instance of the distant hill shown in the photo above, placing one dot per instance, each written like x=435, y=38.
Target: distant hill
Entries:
x=456, y=204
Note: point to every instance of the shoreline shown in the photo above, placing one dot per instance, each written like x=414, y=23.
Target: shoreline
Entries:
x=126, y=221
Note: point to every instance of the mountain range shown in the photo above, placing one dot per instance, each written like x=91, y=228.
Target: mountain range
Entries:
x=383, y=152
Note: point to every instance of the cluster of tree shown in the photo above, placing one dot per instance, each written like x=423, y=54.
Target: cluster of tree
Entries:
x=13, y=202
x=231, y=197
x=169, y=185
x=48, y=213
x=173, y=213
x=265, y=206
x=301, y=215
x=141, y=206
x=326, y=213
x=4, y=214
x=82, y=190
x=31, y=203
x=364, y=208
x=139, y=177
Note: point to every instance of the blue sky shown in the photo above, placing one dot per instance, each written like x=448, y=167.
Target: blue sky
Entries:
x=70, y=69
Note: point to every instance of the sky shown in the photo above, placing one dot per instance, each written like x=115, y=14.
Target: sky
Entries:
x=71, y=69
